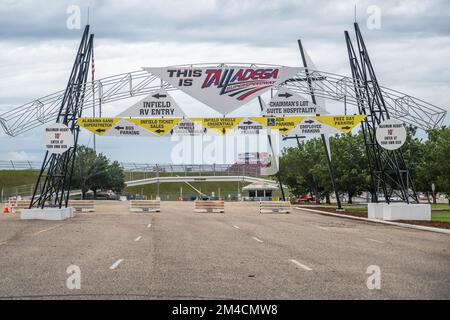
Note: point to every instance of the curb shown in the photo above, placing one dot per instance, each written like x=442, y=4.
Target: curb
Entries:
x=397, y=224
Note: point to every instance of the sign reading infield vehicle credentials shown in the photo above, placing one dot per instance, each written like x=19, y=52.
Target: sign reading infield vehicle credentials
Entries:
x=391, y=134
x=224, y=88
x=57, y=138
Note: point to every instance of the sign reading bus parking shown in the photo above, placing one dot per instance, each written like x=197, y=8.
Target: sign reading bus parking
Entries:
x=391, y=134
x=57, y=138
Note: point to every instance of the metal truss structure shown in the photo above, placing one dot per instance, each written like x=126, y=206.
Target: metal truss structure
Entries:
x=389, y=172
x=53, y=184
x=326, y=85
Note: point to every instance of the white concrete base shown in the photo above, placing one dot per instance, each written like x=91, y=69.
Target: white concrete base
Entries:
x=399, y=211
x=47, y=214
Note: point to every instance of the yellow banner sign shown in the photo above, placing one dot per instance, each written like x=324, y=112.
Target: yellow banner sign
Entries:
x=342, y=123
x=159, y=126
x=218, y=125
x=98, y=125
x=283, y=124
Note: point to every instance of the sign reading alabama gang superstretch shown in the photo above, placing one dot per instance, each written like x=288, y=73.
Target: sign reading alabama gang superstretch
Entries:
x=224, y=88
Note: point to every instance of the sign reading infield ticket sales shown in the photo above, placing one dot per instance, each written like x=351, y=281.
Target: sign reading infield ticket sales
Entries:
x=224, y=89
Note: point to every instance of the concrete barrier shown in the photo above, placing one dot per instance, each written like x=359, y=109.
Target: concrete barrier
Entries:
x=275, y=207
x=145, y=205
x=209, y=206
x=82, y=205
x=47, y=214
x=399, y=211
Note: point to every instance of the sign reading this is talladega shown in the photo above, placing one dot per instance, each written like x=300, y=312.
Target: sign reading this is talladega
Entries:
x=224, y=88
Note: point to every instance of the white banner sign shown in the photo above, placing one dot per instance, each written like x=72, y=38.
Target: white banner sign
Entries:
x=224, y=88
x=57, y=138
x=287, y=103
x=157, y=104
x=391, y=134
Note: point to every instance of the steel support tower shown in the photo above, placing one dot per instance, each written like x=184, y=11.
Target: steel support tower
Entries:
x=389, y=172
x=53, y=184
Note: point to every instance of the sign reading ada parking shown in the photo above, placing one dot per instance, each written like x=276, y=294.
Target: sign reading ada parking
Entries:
x=391, y=134
x=157, y=104
x=287, y=103
x=58, y=138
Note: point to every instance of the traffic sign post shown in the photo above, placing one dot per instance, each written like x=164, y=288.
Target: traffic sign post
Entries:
x=57, y=138
x=391, y=134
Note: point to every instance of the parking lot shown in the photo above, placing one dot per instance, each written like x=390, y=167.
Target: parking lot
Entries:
x=240, y=254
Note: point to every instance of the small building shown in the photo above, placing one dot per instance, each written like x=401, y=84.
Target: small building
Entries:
x=259, y=191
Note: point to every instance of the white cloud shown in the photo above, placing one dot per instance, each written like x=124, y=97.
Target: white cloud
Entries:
x=410, y=52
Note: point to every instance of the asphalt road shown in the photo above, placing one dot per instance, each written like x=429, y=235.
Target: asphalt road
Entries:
x=239, y=254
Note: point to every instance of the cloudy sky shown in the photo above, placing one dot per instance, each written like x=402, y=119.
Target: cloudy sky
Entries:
x=410, y=50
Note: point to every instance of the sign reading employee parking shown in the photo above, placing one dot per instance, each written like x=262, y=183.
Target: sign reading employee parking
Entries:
x=391, y=134
x=157, y=104
x=224, y=88
x=57, y=138
x=287, y=103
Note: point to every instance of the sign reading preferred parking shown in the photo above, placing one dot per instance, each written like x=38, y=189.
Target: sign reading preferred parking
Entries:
x=158, y=104
x=391, y=134
x=58, y=138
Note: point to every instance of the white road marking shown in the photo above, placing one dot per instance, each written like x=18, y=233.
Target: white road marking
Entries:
x=149, y=225
x=255, y=238
x=138, y=238
x=373, y=240
x=115, y=264
x=236, y=227
x=300, y=265
x=45, y=230
x=323, y=228
x=2, y=243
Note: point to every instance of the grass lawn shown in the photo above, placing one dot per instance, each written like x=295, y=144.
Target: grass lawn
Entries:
x=441, y=216
x=440, y=206
x=12, y=178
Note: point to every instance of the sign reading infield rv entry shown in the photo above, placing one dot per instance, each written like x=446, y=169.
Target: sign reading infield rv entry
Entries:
x=57, y=138
x=157, y=104
x=391, y=134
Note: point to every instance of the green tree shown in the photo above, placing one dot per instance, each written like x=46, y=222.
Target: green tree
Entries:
x=92, y=171
x=350, y=164
x=304, y=169
x=435, y=165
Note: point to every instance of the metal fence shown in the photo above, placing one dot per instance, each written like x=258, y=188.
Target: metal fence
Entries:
x=246, y=169
x=136, y=171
